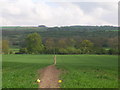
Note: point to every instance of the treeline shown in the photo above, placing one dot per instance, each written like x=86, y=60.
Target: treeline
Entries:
x=63, y=40
x=101, y=36
x=33, y=45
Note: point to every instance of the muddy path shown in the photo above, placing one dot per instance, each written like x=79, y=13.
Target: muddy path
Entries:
x=49, y=77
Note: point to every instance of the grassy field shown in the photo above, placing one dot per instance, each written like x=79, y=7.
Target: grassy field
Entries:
x=88, y=71
x=21, y=71
x=79, y=71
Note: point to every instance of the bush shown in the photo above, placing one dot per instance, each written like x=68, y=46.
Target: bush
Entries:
x=63, y=51
x=72, y=50
x=100, y=51
x=23, y=51
x=11, y=52
x=113, y=51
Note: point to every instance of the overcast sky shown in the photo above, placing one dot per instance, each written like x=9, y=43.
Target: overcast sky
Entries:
x=35, y=12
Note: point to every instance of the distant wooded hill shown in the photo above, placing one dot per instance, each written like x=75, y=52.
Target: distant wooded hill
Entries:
x=101, y=36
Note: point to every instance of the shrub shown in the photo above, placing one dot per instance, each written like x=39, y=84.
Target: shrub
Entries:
x=23, y=51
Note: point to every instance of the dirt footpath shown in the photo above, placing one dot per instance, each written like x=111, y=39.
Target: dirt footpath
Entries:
x=49, y=77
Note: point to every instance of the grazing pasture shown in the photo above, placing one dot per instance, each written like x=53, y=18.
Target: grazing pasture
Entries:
x=77, y=71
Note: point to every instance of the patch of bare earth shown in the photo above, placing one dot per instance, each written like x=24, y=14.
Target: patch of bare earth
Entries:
x=49, y=77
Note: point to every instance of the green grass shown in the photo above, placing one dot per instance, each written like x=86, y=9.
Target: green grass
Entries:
x=79, y=71
x=88, y=71
x=21, y=71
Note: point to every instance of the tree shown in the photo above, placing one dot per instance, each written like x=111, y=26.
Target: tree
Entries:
x=86, y=46
x=34, y=44
x=49, y=45
x=62, y=43
x=70, y=42
x=0, y=46
x=5, y=46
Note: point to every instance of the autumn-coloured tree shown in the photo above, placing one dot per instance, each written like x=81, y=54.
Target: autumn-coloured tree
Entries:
x=49, y=44
x=5, y=46
x=62, y=43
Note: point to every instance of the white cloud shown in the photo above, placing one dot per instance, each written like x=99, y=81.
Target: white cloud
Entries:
x=27, y=12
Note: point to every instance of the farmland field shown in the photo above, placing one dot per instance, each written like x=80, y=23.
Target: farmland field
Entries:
x=88, y=71
x=78, y=71
x=21, y=71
